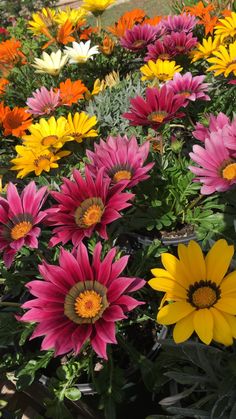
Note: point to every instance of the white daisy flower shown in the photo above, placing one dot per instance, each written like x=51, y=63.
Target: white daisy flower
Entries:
x=81, y=52
x=50, y=64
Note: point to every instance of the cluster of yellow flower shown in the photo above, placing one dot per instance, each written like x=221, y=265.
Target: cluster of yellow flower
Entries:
x=220, y=49
x=40, y=149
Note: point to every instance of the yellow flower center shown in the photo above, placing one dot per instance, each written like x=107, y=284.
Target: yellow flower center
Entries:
x=204, y=297
x=42, y=161
x=164, y=76
x=77, y=136
x=89, y=212
x=85, y=302
x=185, y=93
x=157, y=116
x=88, y=304
x=122, y=175
x=229, y=172
x=21, y=230
x=49, y=140
x=203, y=294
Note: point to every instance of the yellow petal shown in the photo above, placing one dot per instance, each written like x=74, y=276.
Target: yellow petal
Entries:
x=183, y=329
x=218, y=260
x=231, y=320
x=175, y=268
x=161, y=272
x=196, y=261
x=226, y=304
x=203, y=325
x=172, y=313
x=228, y=285
x=222, y=331
x=168, y=285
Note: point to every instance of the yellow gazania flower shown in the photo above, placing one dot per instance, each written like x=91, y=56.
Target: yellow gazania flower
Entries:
x=97, y=6
x=36, y=161
x=162, y=70
x=51, y=134
x=226, y=27
x=80, y=126
x=42, y=20
x=209, y=45
x=50, y=64
x=98, y=87
x=202, y=298
x=73, y=15
x=224, y=60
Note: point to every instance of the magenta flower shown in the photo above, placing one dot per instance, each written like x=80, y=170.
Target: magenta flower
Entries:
x=160, y=49
x=215, y=123
x=217, y=169
x=44, y=101
x=229, y=136
x=19, y=216
x=140, y=36
x=80, y=301
x=161, y=105
x=179, y=23
x=122, y=159
x=191, y=88
x=180, y=42
x=85, y=205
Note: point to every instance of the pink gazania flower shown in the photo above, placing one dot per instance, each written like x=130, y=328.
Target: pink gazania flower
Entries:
x=215, y=123
x=19, y=216
x=190, y=87
x=217, y=169
x=85, y=205
x=232, y=81
x=122, y=158
x=161, y=105
x=229, y=136
x=159, y=50
x=44, y=101
x=140, y=36
x=80, y=301
x=180, y=42
x=179, y=23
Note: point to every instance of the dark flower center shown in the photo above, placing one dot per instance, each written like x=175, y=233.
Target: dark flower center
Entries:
x=89, y=212
x=203, y=294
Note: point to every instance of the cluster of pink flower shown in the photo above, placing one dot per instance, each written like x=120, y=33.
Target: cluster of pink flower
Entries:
x=217, y=158
x=77, y=300
x=170, y=37
x=163, y=105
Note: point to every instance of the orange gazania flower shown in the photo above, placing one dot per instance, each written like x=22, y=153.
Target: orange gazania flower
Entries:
x=71, y=92
x=107, y=46
x=16, y=122
x=10, y=54
x=209, y=22
x=226, y=12
x=199, y=9
x=3, y=111
x=153, y=21
x=86, y=33
x=64, y=33
x=3, y=84
x=127, y=21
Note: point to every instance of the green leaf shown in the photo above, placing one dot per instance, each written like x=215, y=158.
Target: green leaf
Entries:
x=73, y=393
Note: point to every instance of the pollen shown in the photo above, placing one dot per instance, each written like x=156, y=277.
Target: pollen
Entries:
x=229, y=172
x=204, y=297
x=20, y=230
x=88, y=304
x=93, y=215
x=122, y=175
x=157, y=116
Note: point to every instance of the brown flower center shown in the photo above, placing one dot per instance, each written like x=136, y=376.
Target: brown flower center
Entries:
x=139, y=43
x=21, y=230
x=89, y=212
x=203, y=294
x=185, y=93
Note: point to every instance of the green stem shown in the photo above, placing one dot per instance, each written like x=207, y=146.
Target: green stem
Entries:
x=99, y=24
x=8, y=304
